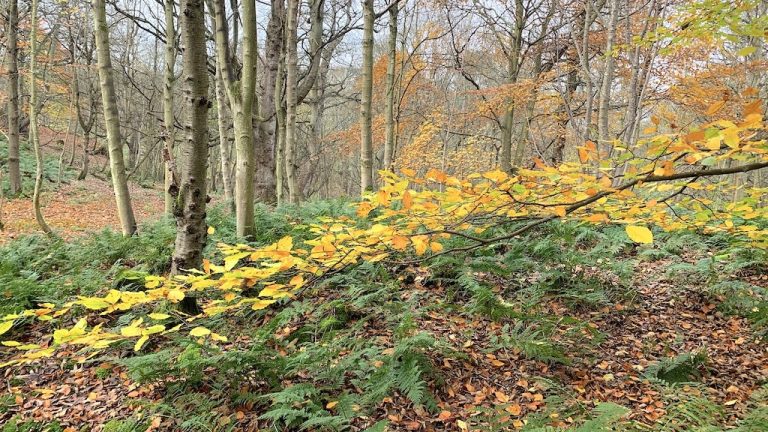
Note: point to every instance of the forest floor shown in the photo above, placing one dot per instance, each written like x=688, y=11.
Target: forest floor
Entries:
x=77, y=208
x=479, y=382
x=74, y=207
x=537, y=332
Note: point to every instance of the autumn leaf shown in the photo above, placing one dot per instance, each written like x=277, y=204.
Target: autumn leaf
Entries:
x=199, y=332
x=5, y=326
x=639, y=234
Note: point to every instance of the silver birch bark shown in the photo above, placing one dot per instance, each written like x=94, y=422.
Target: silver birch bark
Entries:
x=389, y=113
x=291, y=161
x=366, y=138
x=603, y=112
x=170, y=131
x=112, y=120
x=241, y=95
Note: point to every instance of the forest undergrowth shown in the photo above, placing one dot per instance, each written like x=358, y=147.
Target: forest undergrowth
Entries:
x=571, y=326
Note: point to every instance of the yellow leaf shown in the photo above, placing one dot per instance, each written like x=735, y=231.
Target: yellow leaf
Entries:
x=462, y=425
x=285, y=244
x=420, y=244
x=231, y=261
x=199, y=332
x=139, y=343
x=94, y=303
x=400, y=242
x=218, y=337
x=436, y=247
x=130, y=331
x=639, y=234
x=175, y=294
x=211, y=230
x=332, y=404
x=153, y=329
x=560, y=211
x=159, y=316
x=5, y=326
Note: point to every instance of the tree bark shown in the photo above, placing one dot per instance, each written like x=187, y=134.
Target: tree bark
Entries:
x=226, y=162
x=190, y=202
x=265, y=140
x=603, y=112
x=366, y=133
x=391, y=136
x=241, y=95
x=291, y=160
x=170, y=131
x=112, y=120
x=34, y=109
x=513, y=70
x=12, y=60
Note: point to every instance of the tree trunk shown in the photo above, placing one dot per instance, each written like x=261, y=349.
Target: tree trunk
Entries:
x=12, y=60
x=389, y=142
x=241, y=99
x=280, y=114
x=513, y=70
x=112, y=121
x=170, y=130
x=291, y=160
x=190, y=203
x=366, y=134
x=267, y=159
x=226, y=162
x=603, y=112
x=34, y=109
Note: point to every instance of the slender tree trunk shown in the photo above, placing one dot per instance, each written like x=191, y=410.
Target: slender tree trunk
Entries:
x=226, y=162
x=265, y=140
x=291, y=160
x=585, y=69
x=190, y=202
x=280, y=114
x=513, y=70
x=34, y=109
x=603, y=113
x=112, y=120
x=12, y=61
x=170, y=130
x=241, y=99
x=366, y=133
x=389, y=141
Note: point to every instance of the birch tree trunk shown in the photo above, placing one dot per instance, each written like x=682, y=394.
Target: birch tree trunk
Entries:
x=366, y=134
x=170, y=131
x=34, y=109
x=605, y=88
x=389, y=114
x=12, y=61
x=241, y=95
x=112, y=120
x=280, y=114
x=224, y=144
x=291, y=162
x=190, y=203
